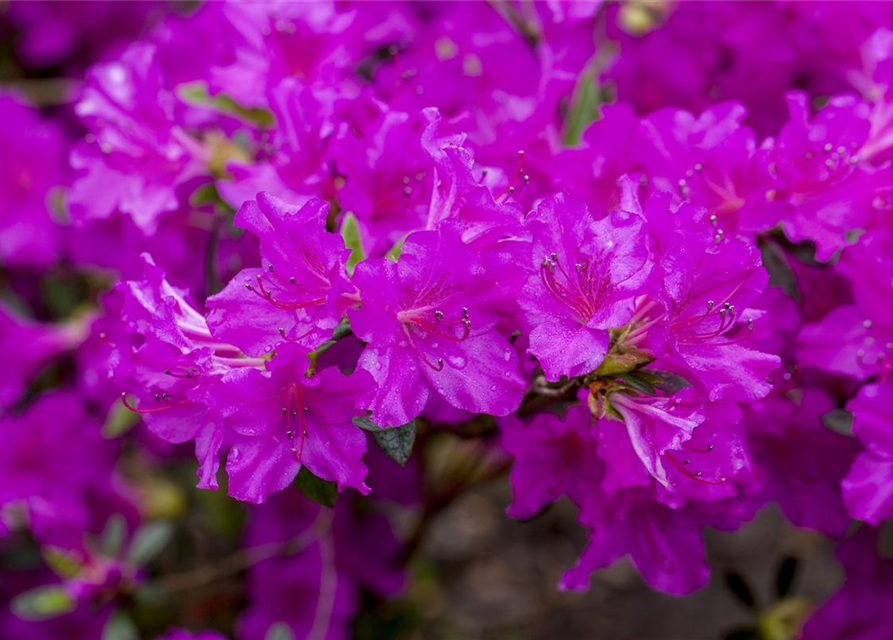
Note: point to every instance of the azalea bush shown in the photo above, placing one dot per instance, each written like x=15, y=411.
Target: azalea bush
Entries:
x=282, y=281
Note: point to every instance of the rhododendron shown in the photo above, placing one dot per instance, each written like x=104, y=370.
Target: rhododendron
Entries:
x=428, y=330
x=340, y=264
x=587, y=274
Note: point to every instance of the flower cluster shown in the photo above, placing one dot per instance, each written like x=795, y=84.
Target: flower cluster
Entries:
x=651, y=268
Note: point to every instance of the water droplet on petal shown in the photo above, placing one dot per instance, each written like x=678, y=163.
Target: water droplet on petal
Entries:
x=508, y=354
x=492, y=387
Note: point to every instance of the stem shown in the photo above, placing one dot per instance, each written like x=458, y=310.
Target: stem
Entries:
x=233, y=564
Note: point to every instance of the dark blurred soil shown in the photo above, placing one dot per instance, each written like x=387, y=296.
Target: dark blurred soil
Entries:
x=492, y=578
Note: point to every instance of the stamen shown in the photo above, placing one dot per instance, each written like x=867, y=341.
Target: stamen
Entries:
x=265, y=294
x=129, y=406
x=697, y=476
x=510, y=188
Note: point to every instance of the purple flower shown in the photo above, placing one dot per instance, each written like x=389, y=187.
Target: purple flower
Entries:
x=587, y=274
x=296, y=165
x=553, y=457
x=181, y=634
x=802, y=459
x=294, y=296
x=55, y=463
x=314, y=590
x=427, y=328
x=31, y=167
x=867, y=490
x=858, y=611
x=281, y=419
x=711, y=160
x=826, y=191
x=162, y=352
x=388, y=179
x=655, y=427
x=77, y=32
x=27, y=346
x=136, y=154
x=664, y=544
x=706, y=286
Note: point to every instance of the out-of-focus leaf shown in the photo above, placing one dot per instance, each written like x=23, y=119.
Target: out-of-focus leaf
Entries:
x=740, y=589
x=196, y=93
x=839, y=421
x=350, y=231
x=584, y=108
x=395, y=251
x=112, y=540
x=63, y=562
x=148, y=542
x=784, y=578
x=319, y=490
x=119, y=421
x=776, y=263
x=885, y=539
x=743, y=633
x=120, y=627
x=280, y=631
x=785, y=619
x=43, y=603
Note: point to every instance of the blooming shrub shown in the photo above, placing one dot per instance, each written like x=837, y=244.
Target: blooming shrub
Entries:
x=635, y=254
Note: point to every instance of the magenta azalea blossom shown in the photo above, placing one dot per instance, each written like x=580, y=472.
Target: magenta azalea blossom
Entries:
x=586, y=275
x=294, y=295
x=428, y=331
x=282, y=419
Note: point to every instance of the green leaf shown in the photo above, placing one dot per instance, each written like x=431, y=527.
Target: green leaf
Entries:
x=584, y=108
x=366, y=424
x=196, y=93
x=616, y=363
x=350, y=231
x=397, y=441
x=885, y=540
x=740, y=589
x=667, y=382
x=119, y=421
x=784, y=577
x=777, y=264
x=395, y=251
x=280, y=631
x=638, y=383
x=113, y=535
x=148, y=541
x=839, y=421
x=315, y=488
x=341, y=331
x=64, y=563
x=43, y=603
x=120, y=627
